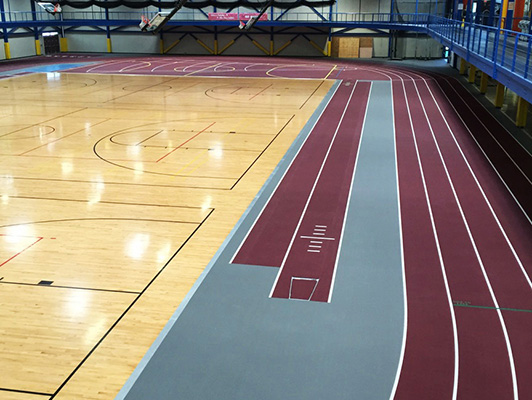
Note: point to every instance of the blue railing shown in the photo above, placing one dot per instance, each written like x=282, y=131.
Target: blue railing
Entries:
x=504, y=54
x=502, y=48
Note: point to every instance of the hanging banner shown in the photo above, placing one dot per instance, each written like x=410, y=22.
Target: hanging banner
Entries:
x=223, y=16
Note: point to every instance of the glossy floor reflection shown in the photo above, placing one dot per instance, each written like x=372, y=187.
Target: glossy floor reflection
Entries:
x=115, y=192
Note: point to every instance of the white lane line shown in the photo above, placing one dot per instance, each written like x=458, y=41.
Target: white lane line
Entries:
x=282, y=177
x=403, y=268
x=314, y=237
x=474, y=245
x=164, y=65
x=440, y=256
x=333, y=279
x=313, y=251
x=141, y=65
x=519, y=262
x=105, y=64
x=283, y=263
x=482, y=122
x=494, y=169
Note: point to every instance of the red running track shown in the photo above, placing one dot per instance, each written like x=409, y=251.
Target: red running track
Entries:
x=466, y=242
x=480, y=268
x=465, y=202
x=300, y=228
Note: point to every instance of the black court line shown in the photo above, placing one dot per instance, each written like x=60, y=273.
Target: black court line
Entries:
x=98, y=219
x=150, y=172
x=62, y=137
x=106, y=202
x=129, y=307
x=28, y=137
x=63, y=115
x=26, y=392
x=69, y=287
x=140, y=90
x=263, y=151
x=312, y=94
x=120, y=183
x=142, y=141
x=139, y=144
x=190, y=147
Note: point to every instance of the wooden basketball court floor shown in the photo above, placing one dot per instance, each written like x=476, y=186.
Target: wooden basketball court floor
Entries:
x=116, y=191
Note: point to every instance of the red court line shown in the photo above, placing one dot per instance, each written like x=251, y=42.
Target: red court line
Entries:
x=267, y=87
x=20, y=252
x=185, y=142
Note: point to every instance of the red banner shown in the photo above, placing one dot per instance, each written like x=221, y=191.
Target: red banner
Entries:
x=222, y=16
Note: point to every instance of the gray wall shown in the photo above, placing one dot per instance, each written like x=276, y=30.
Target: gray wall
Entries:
x=137, y=42
x=22, y=47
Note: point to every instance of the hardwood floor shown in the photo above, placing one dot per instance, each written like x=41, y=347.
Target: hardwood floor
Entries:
x=115, y=193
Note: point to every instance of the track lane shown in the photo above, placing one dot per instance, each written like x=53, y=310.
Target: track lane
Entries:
x=477, y=378
x=510, y=283
x=429, y=337
x=314, y=246
x=515, y=170
x=270, y=237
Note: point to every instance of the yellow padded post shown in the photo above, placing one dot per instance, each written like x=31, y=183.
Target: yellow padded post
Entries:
x=463, y=66
x=7, y=50
x=499, y=95
x=522, y=110
x=472, y=73
x=484, y=83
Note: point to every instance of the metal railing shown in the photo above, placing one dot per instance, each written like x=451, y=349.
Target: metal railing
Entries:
x=197, y=15
x=504, y=48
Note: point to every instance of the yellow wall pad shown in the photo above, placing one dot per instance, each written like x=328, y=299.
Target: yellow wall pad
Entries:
x=63, y=44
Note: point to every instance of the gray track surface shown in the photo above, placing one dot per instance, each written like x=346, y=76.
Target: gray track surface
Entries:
x=233, y=342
